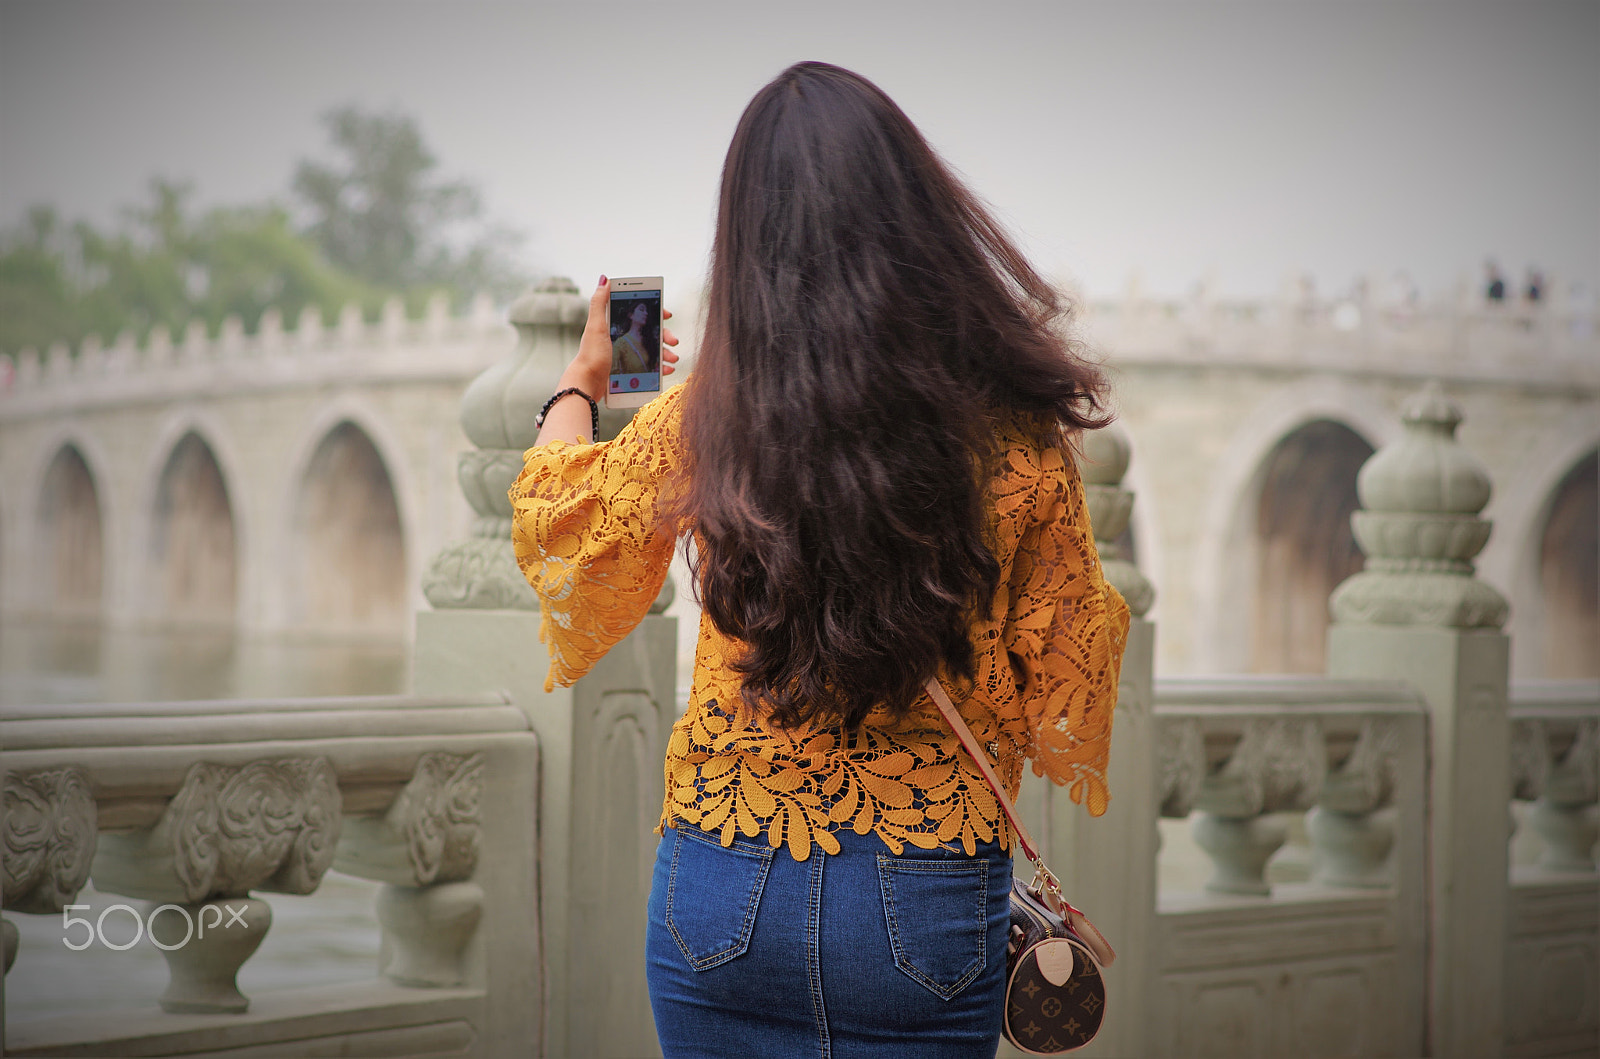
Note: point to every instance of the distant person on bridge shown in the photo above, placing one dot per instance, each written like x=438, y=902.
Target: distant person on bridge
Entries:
x=876, y=461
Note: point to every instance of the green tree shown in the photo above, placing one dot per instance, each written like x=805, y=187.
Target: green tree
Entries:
x=38, y=300
x=382, y=223
x=162, y=267
x=381, y=212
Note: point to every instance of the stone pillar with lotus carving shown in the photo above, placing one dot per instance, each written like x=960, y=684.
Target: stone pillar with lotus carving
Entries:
x=1107, y=864
x=1416, y=612
x=602, y=741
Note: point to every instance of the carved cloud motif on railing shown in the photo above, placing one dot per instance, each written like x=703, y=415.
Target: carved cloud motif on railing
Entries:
x=270, y=825
x=1367, y=779
x=266, y=825
x=1182, y=757
x=1275, y=765
x=50, y=831
x=438, y=813
x=430, y=833
x=1530, y=759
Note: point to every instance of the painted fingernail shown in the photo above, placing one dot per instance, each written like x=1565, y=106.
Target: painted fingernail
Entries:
x=602, y=282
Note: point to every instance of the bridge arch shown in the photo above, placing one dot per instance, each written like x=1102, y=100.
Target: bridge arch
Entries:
x=1518, y=559
x=1241, y=570
x=1303, y=544
x=69, y=535
x=349, y=554
x=193, y=534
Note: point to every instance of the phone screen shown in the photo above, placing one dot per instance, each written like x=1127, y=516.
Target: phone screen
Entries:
x=635, y=341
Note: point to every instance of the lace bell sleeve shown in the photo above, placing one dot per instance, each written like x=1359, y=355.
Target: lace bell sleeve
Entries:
x=1065, y=633
x=589, y=535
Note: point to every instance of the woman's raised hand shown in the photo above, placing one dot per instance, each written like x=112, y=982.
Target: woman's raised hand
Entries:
x=591, y=367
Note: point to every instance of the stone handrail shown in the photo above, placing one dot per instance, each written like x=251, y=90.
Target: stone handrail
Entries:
x=272, y=357
x=200, y=807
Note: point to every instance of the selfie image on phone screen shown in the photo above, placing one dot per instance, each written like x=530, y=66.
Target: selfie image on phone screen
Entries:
x=635, y=341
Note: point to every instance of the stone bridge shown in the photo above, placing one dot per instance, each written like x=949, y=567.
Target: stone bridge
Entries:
x=291, y=479
x=301, y=479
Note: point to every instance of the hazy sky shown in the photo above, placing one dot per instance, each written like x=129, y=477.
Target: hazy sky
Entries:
x=1241, y=140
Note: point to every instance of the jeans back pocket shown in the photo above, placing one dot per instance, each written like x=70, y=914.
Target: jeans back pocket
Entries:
x=712, y=895
x=938, y=917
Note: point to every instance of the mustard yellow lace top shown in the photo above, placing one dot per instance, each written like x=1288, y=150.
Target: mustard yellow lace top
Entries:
x=590, y=538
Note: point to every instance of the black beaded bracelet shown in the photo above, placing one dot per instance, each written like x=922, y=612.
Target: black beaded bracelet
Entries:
x=594, y=411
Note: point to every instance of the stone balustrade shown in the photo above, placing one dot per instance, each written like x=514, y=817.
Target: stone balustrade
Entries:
x=272, y=357
x=1238, y=754
x=1330, y=965
x=197, y=809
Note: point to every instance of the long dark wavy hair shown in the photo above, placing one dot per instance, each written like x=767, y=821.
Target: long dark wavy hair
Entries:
x=868, y=327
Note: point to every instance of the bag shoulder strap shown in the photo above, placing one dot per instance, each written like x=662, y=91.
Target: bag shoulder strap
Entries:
x=1044, y=880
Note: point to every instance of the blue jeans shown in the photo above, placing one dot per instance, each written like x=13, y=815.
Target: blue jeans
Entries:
x=860, y=953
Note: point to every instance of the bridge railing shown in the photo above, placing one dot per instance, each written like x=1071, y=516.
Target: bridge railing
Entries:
x=1541, y=341
x=191, y=811
x=1332, y=963
x=306, y=351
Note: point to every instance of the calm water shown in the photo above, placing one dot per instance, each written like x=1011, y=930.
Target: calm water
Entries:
x=330, y=936
x=46, y=663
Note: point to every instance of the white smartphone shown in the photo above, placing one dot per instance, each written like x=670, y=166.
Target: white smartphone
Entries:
x=635, y=316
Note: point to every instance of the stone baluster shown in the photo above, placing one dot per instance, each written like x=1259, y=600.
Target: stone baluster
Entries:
x=1265, y=767
x=1416, y=613
x=50, y=832
x=602, y=740
x=1352, y=827
x=269, y=825
x=424, y=850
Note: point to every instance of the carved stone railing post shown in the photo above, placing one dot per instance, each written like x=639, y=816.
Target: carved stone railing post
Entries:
x=1417, y=613
x=603, y=740
x=268, y=825
x=50, y=832
x=1108, y=865
x=497, y=413
x=425, y=851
